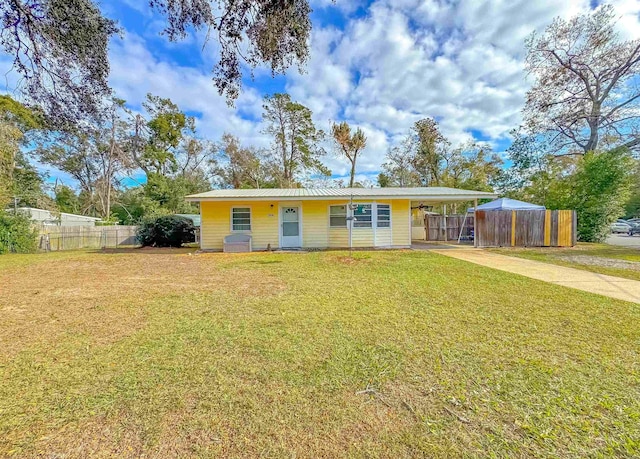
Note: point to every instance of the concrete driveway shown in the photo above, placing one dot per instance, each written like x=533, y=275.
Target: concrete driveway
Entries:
x=613, y=287
x=624, y=240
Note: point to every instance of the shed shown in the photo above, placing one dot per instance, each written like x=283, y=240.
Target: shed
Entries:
x=47, y=217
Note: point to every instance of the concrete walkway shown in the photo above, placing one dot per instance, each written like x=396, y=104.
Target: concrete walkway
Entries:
x=611, y=286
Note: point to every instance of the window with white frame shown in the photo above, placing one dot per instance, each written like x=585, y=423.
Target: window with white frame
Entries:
x=363, y=217
x=241, y=219
x=338, y=216
x=383, y=214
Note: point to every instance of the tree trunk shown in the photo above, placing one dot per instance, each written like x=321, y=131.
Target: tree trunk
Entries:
x=353, y=173
x=594, y=124
x=108, y=207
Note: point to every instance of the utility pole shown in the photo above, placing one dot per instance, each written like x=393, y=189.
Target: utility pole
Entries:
x=15, y=205
x=350, y=219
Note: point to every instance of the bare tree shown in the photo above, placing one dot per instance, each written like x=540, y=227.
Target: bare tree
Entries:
x=94, y=156
x=349, y=145
x=586, y=92
x=398, y=169
x=426, y=158
x=196, y=159
x=243, y=167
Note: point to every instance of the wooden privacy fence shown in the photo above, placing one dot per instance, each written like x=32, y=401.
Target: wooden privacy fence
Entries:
x=54, y=238
x=447, y=228
x=526, y=228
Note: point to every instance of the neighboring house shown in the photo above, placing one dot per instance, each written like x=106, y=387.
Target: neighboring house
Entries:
x=46, y=217
x=195, y=218
x=318, y=218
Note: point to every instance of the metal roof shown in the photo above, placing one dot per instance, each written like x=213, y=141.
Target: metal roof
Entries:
x=52, y=215
x=291, y=194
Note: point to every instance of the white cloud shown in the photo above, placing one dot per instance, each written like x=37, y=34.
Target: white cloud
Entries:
x=460, y=62
x=136, y=72
x=628, y=12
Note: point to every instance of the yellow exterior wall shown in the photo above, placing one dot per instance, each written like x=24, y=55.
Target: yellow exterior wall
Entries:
x=216, y=224
x=362, y=237
x=316, y=232
x=315, y=223
x=384, y=237
x=338, y=237
x=401, y=222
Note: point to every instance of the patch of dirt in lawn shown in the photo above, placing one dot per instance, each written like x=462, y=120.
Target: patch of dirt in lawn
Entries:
x=347, y=260
x=104, y=296
x=97, y=438
x=600, y=261
x=189, y=432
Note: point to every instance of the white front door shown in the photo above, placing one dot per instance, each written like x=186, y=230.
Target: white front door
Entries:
x=290, y=231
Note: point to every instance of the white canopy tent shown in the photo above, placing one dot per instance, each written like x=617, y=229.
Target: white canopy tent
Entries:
x=507, y=204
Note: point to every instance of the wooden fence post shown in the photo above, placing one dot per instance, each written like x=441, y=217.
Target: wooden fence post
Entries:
x=475, y=221
x=574, y=228
x=444, y=217
x=547, y=228
x=513, y=228
x=426, y=227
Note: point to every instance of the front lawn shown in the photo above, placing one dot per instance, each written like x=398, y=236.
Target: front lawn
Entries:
x=164, y=353
x=599, y=258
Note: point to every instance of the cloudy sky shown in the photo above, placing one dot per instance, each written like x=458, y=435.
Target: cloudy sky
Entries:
x=380, y=65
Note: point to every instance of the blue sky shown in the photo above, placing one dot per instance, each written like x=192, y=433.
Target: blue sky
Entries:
x=380, y=65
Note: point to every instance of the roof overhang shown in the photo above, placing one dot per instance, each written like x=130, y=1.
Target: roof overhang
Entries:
x=423, y=198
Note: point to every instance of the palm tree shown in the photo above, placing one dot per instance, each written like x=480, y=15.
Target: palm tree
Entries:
x=349, y=145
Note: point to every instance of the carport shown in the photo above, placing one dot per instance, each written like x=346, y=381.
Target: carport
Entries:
x=500, y=223
x=448, y=225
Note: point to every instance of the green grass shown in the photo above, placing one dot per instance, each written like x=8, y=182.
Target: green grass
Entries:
x=169, y=354
x=556, y=255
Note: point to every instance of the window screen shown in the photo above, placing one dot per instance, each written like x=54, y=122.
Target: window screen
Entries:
x=338, y=216
x=384, y=216
x=362, y=215
x=241, y=219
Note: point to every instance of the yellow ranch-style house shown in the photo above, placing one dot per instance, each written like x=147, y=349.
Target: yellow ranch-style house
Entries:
x=318, y=217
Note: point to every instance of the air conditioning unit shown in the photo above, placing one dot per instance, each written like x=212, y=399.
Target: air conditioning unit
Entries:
x=236, y=243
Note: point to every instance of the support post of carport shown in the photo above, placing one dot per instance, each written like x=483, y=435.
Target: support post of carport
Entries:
x=464, y=222
x=445, y=222
x=475, y=223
